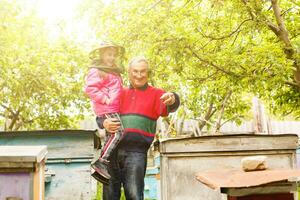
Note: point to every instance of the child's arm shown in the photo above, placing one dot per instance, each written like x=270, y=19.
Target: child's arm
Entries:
x=94, y=84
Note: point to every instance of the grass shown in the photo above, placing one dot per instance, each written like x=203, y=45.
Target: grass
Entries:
x=99, y=193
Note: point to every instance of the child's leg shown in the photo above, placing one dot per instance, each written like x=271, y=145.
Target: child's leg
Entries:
x=101, y=173
x=114, y=138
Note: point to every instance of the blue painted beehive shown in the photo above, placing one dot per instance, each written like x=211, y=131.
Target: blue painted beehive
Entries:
x=152, y=180
x=68, y=161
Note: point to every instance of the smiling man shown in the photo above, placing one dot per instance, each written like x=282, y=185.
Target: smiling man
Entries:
x=138, y=73
x=141, y=105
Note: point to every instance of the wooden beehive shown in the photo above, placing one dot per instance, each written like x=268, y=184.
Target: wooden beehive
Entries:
x=22, y=172
x=182, y=159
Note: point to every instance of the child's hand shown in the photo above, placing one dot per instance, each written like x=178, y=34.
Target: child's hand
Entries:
x=107, y=101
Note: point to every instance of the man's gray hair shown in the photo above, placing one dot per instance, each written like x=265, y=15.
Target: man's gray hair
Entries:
x=138, y=59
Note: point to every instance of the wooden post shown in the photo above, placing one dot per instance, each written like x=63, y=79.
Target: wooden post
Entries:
x=261, y=121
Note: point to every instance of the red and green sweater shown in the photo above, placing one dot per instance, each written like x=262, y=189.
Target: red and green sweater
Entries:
x=139, y=110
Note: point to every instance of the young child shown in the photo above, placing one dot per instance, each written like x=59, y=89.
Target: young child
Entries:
x=103, y=86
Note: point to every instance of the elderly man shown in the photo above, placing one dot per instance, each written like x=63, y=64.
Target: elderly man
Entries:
x=141, y=105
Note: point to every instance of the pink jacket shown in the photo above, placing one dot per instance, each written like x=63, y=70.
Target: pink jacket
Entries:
x=100, y=88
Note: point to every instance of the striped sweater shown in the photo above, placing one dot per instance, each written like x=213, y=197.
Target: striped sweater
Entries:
x=139, y=109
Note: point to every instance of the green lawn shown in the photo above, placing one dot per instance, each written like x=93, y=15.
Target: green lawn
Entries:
x=99, y=193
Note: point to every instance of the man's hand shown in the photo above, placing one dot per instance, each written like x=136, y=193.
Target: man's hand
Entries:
x=168, y=98
x=111, y=124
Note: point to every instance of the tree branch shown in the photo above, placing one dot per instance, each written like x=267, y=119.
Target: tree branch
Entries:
x=153, y=6
x=284, y=36
x=218, y=122
x=207, y=43
x=236, y=36
x=212, y=64
x=14, y=120
x=273, y=28
x=252, y=14
x=283, y=13
x=225, y=36
x=295, y=3
x=295, y=36
x=292, y=84
x=234, y=117
x=186, y=3
x=199, y=80
x=8, y=108
x=283, y=32
x=210, y=112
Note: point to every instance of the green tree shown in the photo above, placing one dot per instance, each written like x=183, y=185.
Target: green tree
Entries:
x=217, y=54
x=41, y=81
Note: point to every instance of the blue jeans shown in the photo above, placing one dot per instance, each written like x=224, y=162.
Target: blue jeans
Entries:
x=127, y=169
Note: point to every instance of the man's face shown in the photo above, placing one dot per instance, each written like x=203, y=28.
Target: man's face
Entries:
x=109, y=56
x=138, y=74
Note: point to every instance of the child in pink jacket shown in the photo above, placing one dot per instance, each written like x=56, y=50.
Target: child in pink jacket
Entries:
x=103, y=86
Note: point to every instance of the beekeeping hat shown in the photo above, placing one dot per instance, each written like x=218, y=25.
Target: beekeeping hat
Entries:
x=97, y=51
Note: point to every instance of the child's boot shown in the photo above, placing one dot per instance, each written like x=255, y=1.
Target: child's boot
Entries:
x=100, y=178
x=100, y=166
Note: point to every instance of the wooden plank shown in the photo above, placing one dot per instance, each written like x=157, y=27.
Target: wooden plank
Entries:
x=230, y=143
x=15, y=185
x=164, y=181
x=238, y=178
x=38, y=182
x=282, y=153
x=46, y=132
x=277, y=196
x=16, y=165
x=281, y=187
x=59, y=145
x=13, y=198
x=10, y=170
x=22, y=153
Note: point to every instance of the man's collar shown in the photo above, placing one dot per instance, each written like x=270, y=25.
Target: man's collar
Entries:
x=144, y=87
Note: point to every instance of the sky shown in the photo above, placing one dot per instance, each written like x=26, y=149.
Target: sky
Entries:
x=64, y=12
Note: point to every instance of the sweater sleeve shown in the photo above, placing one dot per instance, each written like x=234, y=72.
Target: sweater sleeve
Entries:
x=175, y=105
x=94, y=85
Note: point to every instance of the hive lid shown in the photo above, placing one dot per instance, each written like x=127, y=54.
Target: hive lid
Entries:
x=22, y=153
x=240, y=179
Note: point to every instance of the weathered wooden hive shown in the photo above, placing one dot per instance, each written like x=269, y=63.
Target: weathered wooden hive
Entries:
x=67, y=173
x=182, y=159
